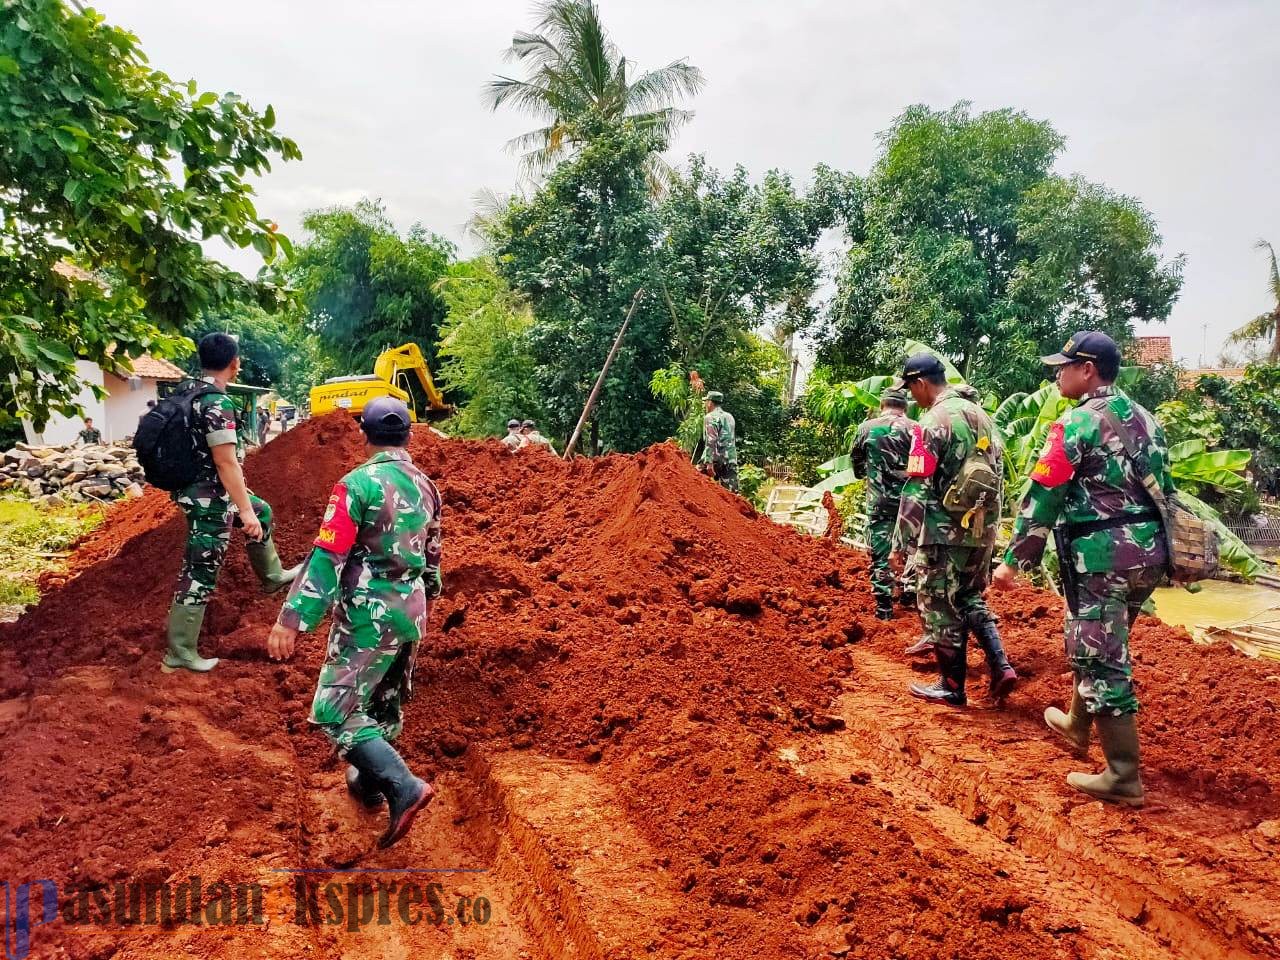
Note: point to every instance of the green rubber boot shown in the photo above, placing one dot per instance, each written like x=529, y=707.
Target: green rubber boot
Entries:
x=266, y=564
x=1074, y=725
x=1119, y=783
x=184, y=633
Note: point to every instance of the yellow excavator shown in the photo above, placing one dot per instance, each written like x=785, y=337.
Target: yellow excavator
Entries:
x=391, y=378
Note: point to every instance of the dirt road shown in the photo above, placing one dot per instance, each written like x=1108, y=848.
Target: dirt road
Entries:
x=662, y=726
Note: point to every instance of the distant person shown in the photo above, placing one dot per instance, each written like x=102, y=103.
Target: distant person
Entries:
x=529, y=431
x=90, y=435
x=879, y=455
x=264, y=425
x=377, y=557
x=214, y=503
x=719, y=443
x=514, y=439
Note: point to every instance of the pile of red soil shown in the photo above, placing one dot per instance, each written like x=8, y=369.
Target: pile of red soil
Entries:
x=624, y=612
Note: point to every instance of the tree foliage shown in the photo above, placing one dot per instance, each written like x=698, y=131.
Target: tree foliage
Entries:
x=965, y=238
x=365, y=287
x=484, y=346
x=111, y=175
x=577, y=80
x=579, y=249
x=1265, y=326
x=276, y=349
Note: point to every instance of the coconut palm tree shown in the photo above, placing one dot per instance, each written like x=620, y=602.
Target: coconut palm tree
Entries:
x=1266, y=324
x=577, y=78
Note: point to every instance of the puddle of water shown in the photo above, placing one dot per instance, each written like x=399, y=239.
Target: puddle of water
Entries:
x=1217, y=604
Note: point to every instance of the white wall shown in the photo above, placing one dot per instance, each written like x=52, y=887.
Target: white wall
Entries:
x=125, y=406
x=60, y=429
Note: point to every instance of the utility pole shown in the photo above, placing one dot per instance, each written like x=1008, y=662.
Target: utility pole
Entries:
x=595, y=391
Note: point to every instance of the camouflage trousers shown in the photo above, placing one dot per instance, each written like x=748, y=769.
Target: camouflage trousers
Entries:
x=950, y=590
x=880, y=546
x=1097, y=636
x=726, y=474
x=209, y=523
x=368, y=669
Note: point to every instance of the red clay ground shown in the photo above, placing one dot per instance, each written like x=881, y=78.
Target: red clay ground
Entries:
x=662, y=726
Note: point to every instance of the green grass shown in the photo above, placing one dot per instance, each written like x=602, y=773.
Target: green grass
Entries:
x=33, y=540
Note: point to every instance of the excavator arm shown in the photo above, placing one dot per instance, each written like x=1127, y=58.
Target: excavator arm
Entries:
x=408, y=358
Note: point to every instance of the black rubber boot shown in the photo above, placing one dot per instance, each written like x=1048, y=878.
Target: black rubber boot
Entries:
x=364, y=791
x=907, y=600
x=884, y=609
x=949, y=687
x=1003, y=676
x=377, y=761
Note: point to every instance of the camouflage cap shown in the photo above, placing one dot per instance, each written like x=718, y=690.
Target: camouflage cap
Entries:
x=894, y=397
x=528, y=423
x=715, y=396
x=513, y=424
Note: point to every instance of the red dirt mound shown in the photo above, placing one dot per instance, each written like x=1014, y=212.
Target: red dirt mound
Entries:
x=627, y=614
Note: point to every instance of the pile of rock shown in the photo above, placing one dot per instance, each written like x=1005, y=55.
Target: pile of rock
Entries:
x=72, y=473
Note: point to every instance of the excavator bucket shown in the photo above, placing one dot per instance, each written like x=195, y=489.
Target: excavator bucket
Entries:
x=436, y=414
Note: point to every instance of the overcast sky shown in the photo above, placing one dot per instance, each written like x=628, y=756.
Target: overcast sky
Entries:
x=1175, y=103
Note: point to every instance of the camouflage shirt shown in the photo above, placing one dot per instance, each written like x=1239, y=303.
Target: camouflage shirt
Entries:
x=946, y=434
x=879, y=453
x=380, y=537
x=214, y=416
x=90, y=435
x=719, y=445
x=1084, y=474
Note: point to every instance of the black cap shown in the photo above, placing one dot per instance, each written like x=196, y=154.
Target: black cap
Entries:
x=919, y=365
x=1087, y=345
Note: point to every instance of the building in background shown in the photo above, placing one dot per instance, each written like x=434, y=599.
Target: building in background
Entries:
x=118, y=413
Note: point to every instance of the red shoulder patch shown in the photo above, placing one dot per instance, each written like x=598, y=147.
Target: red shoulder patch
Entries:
x=920, y=462
x=338, y=531
x=1054, y=467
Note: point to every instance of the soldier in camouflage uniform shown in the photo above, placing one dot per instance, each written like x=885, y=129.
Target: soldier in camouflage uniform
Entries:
x=90, y=435
x=1088, y=490
x=377, y=557
x=213, y=504
x=953, y=551
x=879, y=453
x=719, y=445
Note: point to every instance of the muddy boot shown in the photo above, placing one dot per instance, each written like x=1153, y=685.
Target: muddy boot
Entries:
x=1120, y=782
x=377, y=761
x=1003, y=676
x=184, y=632
x=884, y=608
x=266, y=564
x=1073, y=725
x=921, y=648
x=364, y=790
x=949, y=687
x=907, y=600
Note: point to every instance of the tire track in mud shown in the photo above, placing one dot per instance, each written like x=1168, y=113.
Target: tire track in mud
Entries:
x=1138, y=873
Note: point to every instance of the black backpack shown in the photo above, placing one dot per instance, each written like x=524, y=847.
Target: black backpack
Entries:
x=167, y=441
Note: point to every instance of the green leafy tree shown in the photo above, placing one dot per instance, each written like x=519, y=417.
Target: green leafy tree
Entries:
x=577, y=82
x=1265, y=326
x=276, y=349
x=484, y=346
x=365, y=287
x=111, y=175
x=579, y=249
x=1249, y=412
x=967, y=240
